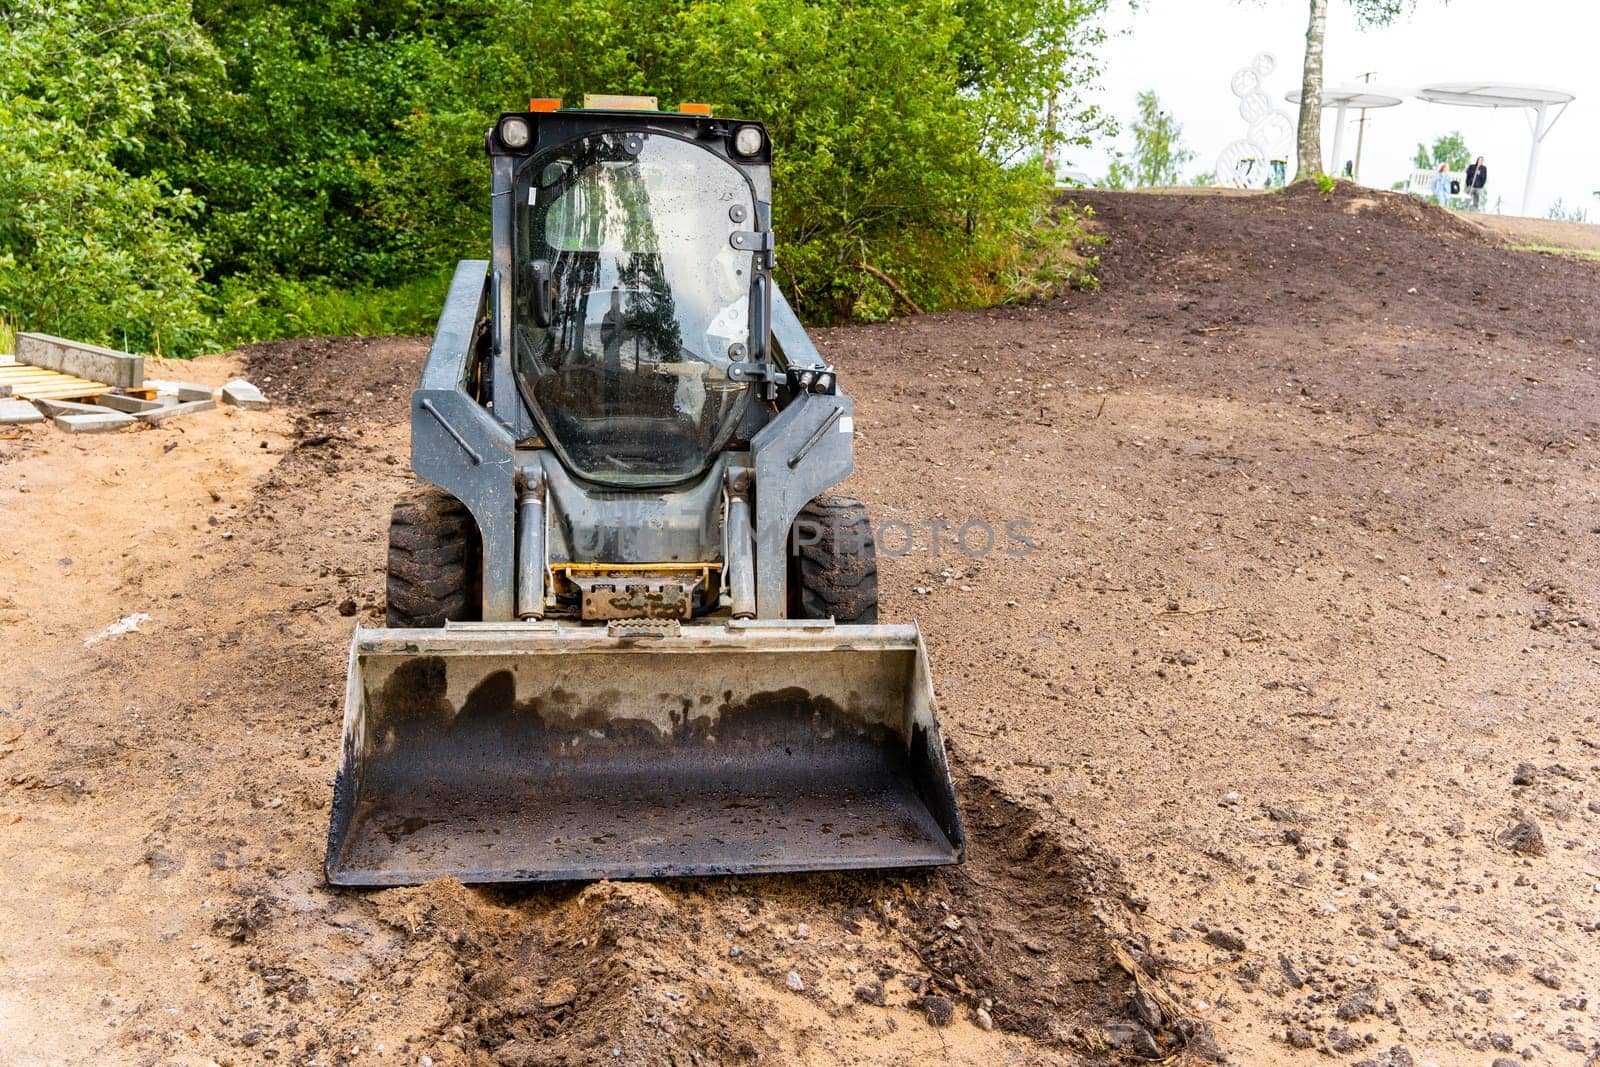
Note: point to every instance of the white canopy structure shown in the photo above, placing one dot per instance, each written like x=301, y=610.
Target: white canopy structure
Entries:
x=1343, y=98
x=1541, y=100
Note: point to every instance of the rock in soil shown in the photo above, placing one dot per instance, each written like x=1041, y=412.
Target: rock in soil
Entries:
x=941, y=1011
x=1135, y=1039
x=1342, y=1041
x=1147, y=1010
x=1224, y=940
x=1523, y=837
x=1358, y=1005
x=871, y=994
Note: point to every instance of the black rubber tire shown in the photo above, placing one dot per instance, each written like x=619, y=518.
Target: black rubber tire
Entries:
x=837, y=576
x=434, y=552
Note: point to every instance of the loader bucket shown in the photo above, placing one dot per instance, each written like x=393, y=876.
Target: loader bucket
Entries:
x=547, y=751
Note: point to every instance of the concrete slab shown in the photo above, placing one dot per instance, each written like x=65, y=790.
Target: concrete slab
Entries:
x=162, y=414
x=188, y=393
x=241, y=393
x=132, y=405
x=17, y=412
x=68, y=407
x=104, y=423
x=86, y=361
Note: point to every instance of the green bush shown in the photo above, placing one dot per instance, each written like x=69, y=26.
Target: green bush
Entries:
x=176, y=174
x=251, y=308
x=86, y=248
x=905, y=133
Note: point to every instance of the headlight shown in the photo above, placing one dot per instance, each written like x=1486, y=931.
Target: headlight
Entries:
x=747, y=140
x=514, y=133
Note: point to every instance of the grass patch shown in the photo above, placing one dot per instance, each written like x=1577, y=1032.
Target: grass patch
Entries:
x=1558, y=250
x=264, y=309
x=8, y=337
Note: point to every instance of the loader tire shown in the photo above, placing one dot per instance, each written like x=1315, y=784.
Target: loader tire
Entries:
x=434, y=552
x=836, y=576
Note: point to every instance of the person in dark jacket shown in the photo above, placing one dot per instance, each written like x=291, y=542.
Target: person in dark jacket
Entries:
x=1477, y=178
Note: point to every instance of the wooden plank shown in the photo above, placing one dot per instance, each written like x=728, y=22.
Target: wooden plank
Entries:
x=50, y=385
x=28, y=368
x=46, y=376
x=77, y=383
x=36, y=387
x=143, y=392
x=94, y=387
x=70, y=392
x=55, y=392
x=41, y=383
x=33, y=376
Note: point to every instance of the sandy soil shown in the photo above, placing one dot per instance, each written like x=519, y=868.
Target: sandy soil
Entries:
x=1291, y=706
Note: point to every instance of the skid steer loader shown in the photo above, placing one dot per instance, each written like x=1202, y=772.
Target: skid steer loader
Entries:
x=630, y=633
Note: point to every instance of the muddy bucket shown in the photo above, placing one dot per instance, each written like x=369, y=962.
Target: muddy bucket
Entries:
x=548, y=751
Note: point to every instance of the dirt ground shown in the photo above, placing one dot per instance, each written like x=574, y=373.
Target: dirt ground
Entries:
x=1290, y=708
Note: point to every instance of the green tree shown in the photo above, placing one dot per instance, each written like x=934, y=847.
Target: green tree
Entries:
x=1449, y=149
x=907, y=133
x=90, y=243
x=172, y=170
x=1159, y=155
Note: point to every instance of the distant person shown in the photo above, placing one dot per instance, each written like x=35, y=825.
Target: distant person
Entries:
x=1440, y=187
x=1477, y=178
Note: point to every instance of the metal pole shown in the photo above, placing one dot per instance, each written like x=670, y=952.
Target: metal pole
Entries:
x=1338, y=138
x=1361, y=131
x=1361, y=140
x=1539, y=130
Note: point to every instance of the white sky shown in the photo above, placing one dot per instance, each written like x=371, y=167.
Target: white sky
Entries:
x=1187, y=50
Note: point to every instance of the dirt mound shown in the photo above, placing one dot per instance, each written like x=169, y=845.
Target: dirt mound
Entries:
x=1022, y=927
x=697, y=972
x=1424, y=217
x=564, y=977
x=359, y=377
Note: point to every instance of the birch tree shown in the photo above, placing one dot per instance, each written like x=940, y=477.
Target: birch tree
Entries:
x=1308, y=139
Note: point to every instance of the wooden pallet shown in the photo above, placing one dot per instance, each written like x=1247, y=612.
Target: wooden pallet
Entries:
x=37, y=383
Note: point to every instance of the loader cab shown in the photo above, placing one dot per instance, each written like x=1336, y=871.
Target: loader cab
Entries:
x=638, y=274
